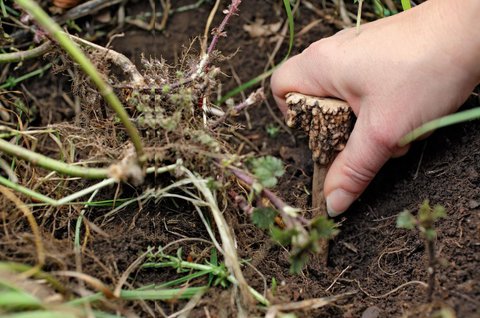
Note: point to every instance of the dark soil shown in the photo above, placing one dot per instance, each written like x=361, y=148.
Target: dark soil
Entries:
x=372, y=256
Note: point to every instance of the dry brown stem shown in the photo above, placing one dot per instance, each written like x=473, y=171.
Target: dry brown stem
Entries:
x=136, y=79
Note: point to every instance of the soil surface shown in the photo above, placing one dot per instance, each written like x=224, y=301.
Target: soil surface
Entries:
x=370, y=258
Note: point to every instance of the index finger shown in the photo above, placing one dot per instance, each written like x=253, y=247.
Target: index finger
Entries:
x=304, y=73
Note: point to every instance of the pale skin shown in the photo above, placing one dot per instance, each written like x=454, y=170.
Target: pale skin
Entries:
x=397, y=73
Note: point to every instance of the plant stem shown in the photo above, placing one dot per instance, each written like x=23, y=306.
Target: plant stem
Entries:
x=15, y=81
x=25, y=55
x=439, y=123
x=430, y=245
x=28, y=192
x=42, y=198
x=359, y=15
x=3, y=9
x=232, y=9
x=52, y=164
x=406, y=5
x=285, y=210
x=77, y=55
x=161, y=294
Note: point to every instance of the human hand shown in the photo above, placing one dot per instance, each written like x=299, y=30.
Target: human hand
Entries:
x=397, y=74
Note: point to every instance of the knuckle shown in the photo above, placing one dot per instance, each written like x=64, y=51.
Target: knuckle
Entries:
x=359, y=176
x=380, y=135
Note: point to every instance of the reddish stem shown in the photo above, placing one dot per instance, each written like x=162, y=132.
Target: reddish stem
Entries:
x=232, y=9
x=272, y=197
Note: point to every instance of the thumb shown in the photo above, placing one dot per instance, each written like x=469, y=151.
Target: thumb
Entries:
x=353, y=169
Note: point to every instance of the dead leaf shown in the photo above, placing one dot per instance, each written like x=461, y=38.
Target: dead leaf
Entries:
x=259, y=29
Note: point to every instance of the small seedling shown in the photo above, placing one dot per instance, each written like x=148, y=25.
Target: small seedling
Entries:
x=272, y=130
x=304, y=236
x=217, y=272
x=424, y=222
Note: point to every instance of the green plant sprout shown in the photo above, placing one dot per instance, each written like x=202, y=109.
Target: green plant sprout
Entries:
x=272, y=130
x=424, y=222
x=301, y=234
x=218, y=272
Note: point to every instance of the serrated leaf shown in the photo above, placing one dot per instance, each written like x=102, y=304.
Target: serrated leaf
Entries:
x=406, y=220
x=424, y=211
x=324, y=228
x=439, y=212
x=297, y=262
x=267, y=169
x=263, y=217
x=283, y=237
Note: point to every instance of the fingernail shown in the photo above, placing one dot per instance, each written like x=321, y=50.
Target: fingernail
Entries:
x=338, y=202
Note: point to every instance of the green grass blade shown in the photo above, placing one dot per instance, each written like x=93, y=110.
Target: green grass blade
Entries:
x=28, y=192
x=261, y=77
x=183, y=279
x=44, y=314
x=160, y=294
x=439, y=123
x=20, y=268
x=406, y=5
x=291, y=26
x=246, y=85
x=214, y=262
x=3, y=9
x=12, y=299
x=52, y=164
x=12, y=82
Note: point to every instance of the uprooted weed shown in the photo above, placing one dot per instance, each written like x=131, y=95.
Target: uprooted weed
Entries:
x=170, y=111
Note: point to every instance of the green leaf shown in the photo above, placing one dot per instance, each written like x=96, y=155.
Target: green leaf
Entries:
x=283, y=237
x=424, y=211
x=264, y=217
x=439, y=212
x=273, y=286
x=325, y=228
x=267, y=169
x=298, y=262
x=406, y=220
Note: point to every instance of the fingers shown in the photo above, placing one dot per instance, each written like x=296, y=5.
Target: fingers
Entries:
x=354, y=168
x=303, y=73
